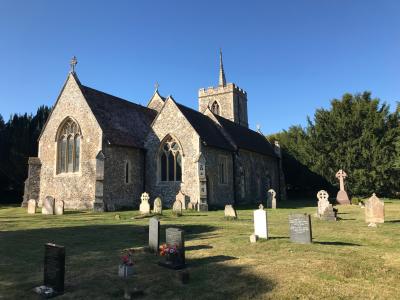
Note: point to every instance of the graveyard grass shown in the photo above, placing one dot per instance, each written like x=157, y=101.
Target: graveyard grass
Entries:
x=347, y=259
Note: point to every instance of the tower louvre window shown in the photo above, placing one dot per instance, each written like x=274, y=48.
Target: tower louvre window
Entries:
x=215, y=108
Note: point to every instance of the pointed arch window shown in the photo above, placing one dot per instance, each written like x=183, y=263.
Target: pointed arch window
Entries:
x=68, y=147
x=215, y=108
x=170, y=161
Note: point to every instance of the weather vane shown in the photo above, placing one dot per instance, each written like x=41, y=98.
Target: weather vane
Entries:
x=73, y=63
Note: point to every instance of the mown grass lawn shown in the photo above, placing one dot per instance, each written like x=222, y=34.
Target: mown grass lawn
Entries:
x=347, y=259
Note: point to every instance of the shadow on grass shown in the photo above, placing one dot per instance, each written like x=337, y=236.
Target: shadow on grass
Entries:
x=393, y=221
x=198, y=247
x=209, y=260
x=336, y=243
x=278, y=237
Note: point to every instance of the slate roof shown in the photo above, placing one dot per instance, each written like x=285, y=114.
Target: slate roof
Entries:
x=206, y=128
x=123, y=123
x=246, y=138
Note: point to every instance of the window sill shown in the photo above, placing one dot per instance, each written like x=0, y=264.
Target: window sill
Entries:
x=69, y=174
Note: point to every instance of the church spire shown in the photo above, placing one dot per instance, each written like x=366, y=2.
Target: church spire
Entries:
x=222, y=79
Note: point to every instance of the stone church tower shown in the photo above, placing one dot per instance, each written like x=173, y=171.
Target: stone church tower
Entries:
x=226, y=100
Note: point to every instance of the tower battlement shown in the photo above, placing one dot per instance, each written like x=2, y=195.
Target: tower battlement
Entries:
x=230, y=87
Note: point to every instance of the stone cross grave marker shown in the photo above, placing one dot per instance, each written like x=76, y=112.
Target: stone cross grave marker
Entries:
x=271, y=200
x=300, y=228
x=374, y=210
x=260, y=222
x=177, y=208
x=154, y=235
x=157, y=206
x=48, y=206
x=325, y=209
x=144, y=205
x=59, y=207
x=342, y=197
x=54, y=267
x=31, y=206
x=183, y=198
x=230, y=212
x=175, y=237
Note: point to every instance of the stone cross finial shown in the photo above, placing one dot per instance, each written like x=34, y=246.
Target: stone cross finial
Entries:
x=156, y=86
x=145, y=197
x=323, y=195
x=73, y=64
x=341, y=175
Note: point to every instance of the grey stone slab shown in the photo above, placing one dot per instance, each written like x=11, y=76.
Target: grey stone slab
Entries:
x=300, y=228
x=154, y=235
x=54, y=267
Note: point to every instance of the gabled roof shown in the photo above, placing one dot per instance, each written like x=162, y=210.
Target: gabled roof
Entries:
x=205, y=128
x=123, y=123
x=246, y=138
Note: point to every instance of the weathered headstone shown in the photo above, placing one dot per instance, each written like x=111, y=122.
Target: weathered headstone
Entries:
x=144, y=205
x=31, y=206
x=175, y=238
x=260, y=223
x=325, y=209
x=59, y=207
x=48, y=206
x=191, y=206
x=183, y=198
x=300, y=228
x=154, y=235
x=230, y=212
x=157, y=206
x=177, y=208
x=253, y=238
x=342, y=197
x=271, y=200
x=374, y=210
x=54, y=271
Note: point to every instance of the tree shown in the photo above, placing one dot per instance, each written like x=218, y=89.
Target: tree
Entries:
x=357, y=134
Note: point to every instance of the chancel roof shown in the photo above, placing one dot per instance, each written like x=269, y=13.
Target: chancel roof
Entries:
x=123, y=123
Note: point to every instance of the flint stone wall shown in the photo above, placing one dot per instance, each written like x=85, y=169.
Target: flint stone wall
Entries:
x=77, y=190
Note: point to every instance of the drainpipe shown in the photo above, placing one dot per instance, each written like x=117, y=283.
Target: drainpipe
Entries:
x=234, y=176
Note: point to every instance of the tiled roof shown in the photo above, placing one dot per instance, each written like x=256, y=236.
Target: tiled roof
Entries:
x=206, y=128
x=246, y=138
x=123, y=123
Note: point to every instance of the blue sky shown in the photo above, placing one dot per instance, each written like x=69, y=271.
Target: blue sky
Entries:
x=291, y=57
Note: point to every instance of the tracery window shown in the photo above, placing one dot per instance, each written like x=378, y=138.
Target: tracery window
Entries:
x=68, y=147
x=170, y=161
x=215, y=108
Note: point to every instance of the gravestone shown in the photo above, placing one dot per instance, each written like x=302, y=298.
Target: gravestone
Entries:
x=230, y=212
x=175, y=237
x=177, y=208
x=54, y=270
x=374, y=210
x=48, y=206
x=260, y=222
x=300, y=228
x=59, y=207
x=191, y=206
x=253, y=238
x=154, y=235
x=31, y=206
x=342, y=197
x=325, y=209
x=144, y=205
x=271, y=200
x=157, y=206
x=183, y=198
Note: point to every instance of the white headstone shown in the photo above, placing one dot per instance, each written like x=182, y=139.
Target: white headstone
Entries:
x=271, y=201
x=183, y=198
x=260, y=223
x=230, y=211
x=144, y=205
x=59, y=207
x=323, y=201
x=157, y=206
x=31, y=206
x=48, y=206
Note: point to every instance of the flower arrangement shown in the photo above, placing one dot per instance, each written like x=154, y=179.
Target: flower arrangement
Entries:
x=127, y=258
x=169, y=250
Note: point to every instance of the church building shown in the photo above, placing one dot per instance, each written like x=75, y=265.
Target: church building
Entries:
x=101, y=152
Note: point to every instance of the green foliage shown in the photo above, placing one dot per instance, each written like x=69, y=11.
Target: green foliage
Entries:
x=357, y=134
x=18, y=141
